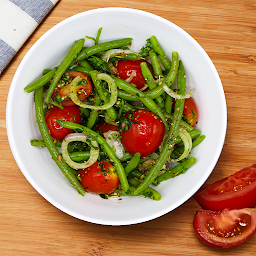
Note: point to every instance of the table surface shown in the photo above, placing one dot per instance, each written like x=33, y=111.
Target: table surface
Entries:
x=29, y=225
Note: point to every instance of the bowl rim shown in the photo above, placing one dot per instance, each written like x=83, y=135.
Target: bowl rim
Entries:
x=10, y=131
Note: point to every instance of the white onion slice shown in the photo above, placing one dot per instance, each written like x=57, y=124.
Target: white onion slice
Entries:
x=175, y=95
x=187, y=140
x=94, y=152
x=101, y=76
x=129, y=79
x=114, y=143
x=112, y=53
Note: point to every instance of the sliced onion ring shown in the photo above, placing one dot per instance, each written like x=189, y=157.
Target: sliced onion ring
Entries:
x=112, y=87
x=94, y=152
x=187, y=140
x=176, y=95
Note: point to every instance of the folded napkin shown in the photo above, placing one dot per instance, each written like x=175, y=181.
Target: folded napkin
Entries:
x=18, y=19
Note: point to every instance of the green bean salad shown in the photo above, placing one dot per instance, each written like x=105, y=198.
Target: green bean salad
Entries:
x=115, y=121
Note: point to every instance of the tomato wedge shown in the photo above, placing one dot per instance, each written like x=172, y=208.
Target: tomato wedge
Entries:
x=225, y=229
x=84, y=90
x=234, y=192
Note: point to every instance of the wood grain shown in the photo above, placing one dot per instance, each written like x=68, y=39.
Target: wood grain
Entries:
x=29, y=225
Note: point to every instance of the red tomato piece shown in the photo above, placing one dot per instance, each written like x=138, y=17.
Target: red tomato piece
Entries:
x=190, y=111
x=71, y=114
x=103, y=128
x=142, y=132
x=126, y=68
x=225, y=229
x=84, y=90
x=234, y=192
x=99, y=178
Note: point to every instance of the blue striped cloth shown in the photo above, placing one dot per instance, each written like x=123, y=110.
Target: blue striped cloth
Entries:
x=18, y=19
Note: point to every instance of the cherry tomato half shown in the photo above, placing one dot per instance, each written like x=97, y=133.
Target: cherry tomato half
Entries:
x=71, y=114
x=126, y=68
x=84, y=90
x=225, y=229
x=99, y=178
x=142, y=132
x=190, y=111
x=234, y=192
x=103, y=128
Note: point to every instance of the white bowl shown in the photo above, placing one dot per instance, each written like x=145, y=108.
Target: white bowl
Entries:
x=49, y=50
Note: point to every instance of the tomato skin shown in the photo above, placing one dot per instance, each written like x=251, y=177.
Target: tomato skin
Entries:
x=125, y=69
x=105, y=128
x=71, y=114
x=86, y=89
x=190, y=111
x=96, y=180
x=233, y=192
x=210, y=225
x=145, y=134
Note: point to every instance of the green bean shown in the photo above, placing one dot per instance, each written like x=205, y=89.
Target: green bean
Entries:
x=37, y=143
x=148, y=192
x=85, y=64
x=111, y=111
x=158, y=91
x=179, y=169
x=127, y=156
x=179, y=105
x=56, y=104
x=122, y=106
x=150, y=82
x=82, y=69
x=76, y=48
x=168, y=104
x=132, y=56
x=87, y=52
x=41, y=143
x=56, y=156
x=133, y=163
x=105, y=146
x=148, y=102
x=170, y=141
x=155, y=63
x=41, y=81
x=170, y=77
x=198, y=140
x=158, y=49
x=82, y=155
x=85, y=112
x=140, y=175
x=45, y=71
x=166, y=63
x=94, y=113
x=98, y=36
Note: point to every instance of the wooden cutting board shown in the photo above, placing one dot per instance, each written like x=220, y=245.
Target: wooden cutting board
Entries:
x=29, y=225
